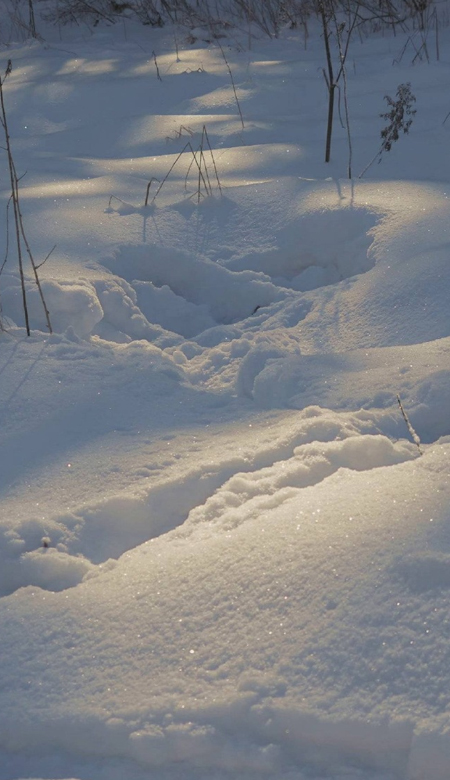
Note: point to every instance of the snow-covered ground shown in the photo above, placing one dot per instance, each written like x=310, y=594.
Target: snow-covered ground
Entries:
x=224, y=554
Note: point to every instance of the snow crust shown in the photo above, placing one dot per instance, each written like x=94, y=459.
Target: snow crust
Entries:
x=222, y=554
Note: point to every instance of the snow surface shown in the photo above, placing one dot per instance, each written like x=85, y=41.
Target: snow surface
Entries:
x=222, y=554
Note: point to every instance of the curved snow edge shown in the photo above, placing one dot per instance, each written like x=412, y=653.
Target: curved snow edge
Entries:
x=242, y=735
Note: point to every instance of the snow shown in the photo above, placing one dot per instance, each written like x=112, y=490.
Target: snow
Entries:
x=224, y=552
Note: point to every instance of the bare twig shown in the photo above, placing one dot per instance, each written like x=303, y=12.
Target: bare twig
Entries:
x=411, y=430
x=342, y=56
x=13, y=182
x=203, y=160
x=197, y=158
x=148, y=189
x=156, y=66
x=179, y=133
x=436, y=19
x=114, y=197
x=201, y=177
x=176, y=45
x=7, y=235
x=46, y=258
x=31, y=19
x=187, y=146
x=232, y=83
x=21, y=237
x=212, y=158
x=33, y=265
x=329, y=78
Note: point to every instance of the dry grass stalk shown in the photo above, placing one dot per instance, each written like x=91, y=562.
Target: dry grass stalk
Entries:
x=232, y=83
x=204, y=186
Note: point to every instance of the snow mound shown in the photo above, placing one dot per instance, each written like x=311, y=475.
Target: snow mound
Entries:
x=71, y=304
x=122, y=318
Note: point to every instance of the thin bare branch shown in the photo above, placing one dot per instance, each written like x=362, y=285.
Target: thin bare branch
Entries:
x=39, y=265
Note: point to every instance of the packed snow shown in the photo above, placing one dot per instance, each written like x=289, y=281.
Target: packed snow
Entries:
x=225, y=482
